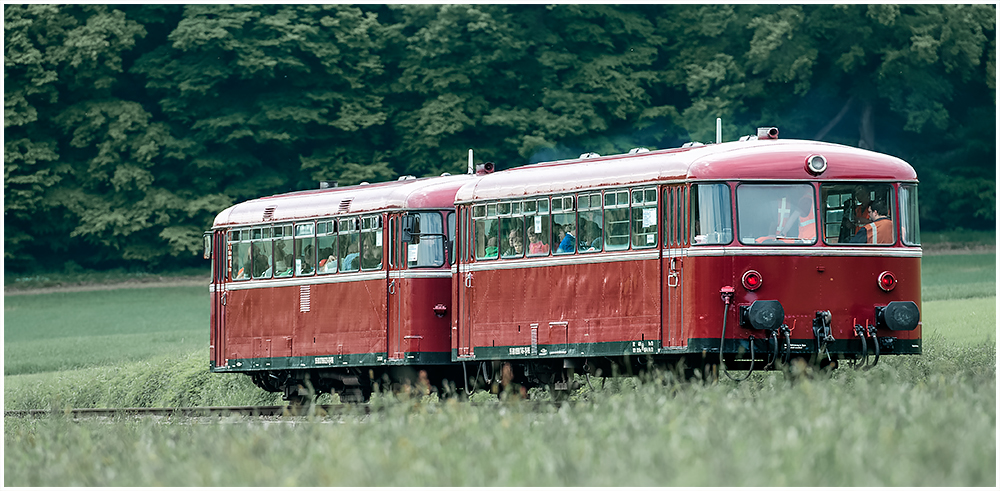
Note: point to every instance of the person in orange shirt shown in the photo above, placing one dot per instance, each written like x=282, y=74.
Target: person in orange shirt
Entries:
x=880, y=230
x=802, y=221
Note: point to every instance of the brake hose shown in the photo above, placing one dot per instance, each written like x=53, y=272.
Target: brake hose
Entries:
x=465, y=375
x=788, y=343
x=875, y=342
x=725, y=316
x=864, y=346
x=774, y=353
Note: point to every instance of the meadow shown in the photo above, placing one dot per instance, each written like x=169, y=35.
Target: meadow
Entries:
x=927, y=420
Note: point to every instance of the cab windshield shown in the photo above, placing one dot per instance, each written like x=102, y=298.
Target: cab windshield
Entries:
x=858, y=214
x=776, y=214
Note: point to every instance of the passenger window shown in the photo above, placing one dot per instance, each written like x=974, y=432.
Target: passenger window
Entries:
x=326, y=246
x=305, y=249
x=261, y=247
x=616, y=220
x=486, y=224
x=644, y=220
x=537, y=224
x=347, y=241
x=511, y=230
x=712, y=223
x=283, y=258
x=564, y=225
x=591, y=226
x=858, y=214
x=239, y=244
x=776, y=214
x=371, y=243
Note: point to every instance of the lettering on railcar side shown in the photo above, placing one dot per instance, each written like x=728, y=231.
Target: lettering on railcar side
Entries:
x=643, y=347
x=324, y=360
x=519, y=350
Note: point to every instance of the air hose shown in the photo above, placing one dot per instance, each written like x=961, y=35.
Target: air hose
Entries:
x=788, y=343
x=725, y=315
x=773, y=335
x=875, y=342
x=862, y=333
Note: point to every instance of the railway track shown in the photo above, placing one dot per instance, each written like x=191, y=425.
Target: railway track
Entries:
x=219, y=411
x=225, y=411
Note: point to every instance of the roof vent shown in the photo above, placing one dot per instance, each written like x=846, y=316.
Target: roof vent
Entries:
x=767, y=133
x=692, y=144
x=268, y=213
x=345, y=205
x=638, y=150
x=487, y=168
x=327, y=184
x=406, y=178
x=589, y=155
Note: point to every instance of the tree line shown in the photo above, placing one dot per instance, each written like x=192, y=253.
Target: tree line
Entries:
x=127, y=128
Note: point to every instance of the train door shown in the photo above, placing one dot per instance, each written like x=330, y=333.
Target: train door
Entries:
x=220, y=259
x=464, y=283
x=397, y=263
x=675, y=238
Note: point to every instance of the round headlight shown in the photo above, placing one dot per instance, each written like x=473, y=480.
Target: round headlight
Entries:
x=816, y=164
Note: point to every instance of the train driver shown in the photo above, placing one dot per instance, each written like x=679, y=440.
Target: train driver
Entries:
x=880, y=230
x=802, y=221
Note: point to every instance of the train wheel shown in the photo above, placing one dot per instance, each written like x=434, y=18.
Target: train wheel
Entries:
x=562, y=384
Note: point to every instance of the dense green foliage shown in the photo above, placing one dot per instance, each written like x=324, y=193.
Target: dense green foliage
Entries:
x=127, y=128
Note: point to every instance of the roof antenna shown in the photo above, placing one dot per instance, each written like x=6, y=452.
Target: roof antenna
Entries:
x=472, y=168
x=718, y=130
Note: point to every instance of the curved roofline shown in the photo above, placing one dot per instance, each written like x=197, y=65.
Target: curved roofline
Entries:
x=427, y=192
x=775, y=160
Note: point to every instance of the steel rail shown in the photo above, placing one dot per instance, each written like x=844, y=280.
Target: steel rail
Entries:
x=223, y=411
x=216, y=411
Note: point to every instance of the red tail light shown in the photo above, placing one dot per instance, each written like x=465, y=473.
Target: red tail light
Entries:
x=752, y=280
x=887, y=281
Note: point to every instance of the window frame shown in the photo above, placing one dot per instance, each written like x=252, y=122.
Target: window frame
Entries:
x=776, y=241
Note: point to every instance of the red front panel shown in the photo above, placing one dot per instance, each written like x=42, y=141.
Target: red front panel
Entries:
x=847, y=286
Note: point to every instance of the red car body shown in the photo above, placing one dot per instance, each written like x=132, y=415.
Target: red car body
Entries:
x=737, y=251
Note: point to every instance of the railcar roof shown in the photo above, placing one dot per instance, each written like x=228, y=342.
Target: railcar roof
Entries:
x=428, y=192
x=747, y=160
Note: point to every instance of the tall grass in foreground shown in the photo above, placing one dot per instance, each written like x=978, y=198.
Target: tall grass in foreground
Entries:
x=909, y=422
x=925, y=420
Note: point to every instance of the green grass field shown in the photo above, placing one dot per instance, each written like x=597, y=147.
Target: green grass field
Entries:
x=927, y=420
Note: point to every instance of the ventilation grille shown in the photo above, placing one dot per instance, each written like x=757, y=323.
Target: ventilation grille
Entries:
x=345, y=205
x=268, y=213
x=304, y=298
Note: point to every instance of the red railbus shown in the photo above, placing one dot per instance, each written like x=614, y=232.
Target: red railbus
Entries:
x=324, y=289
x=738, y=254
